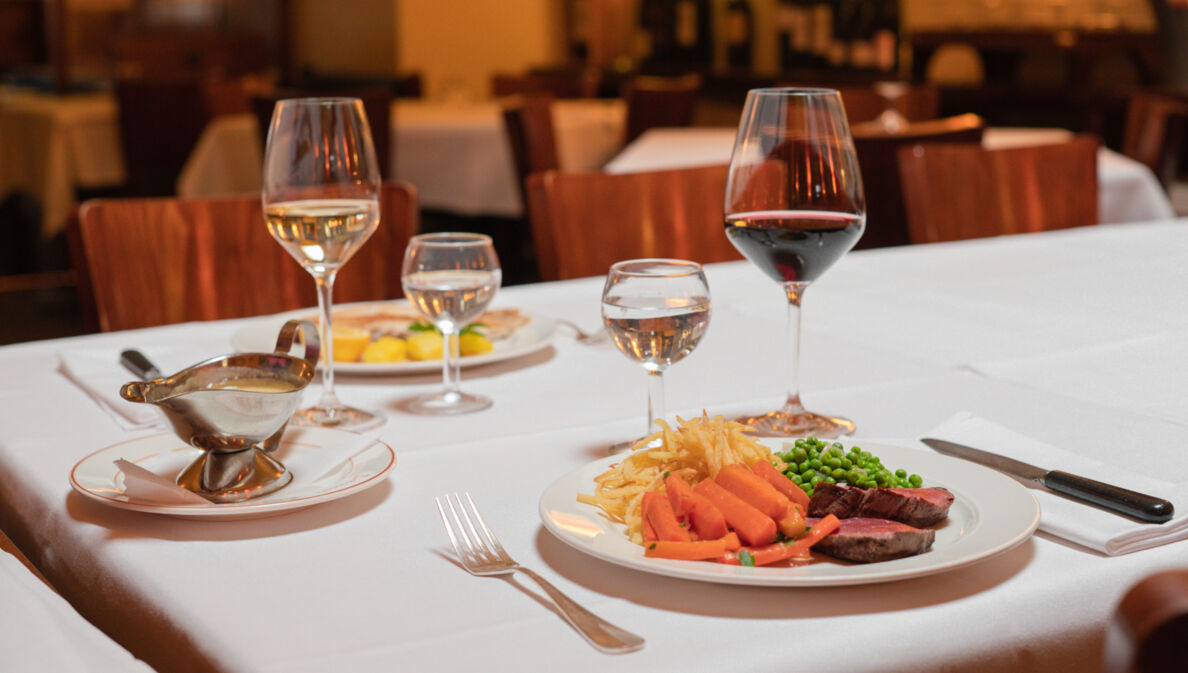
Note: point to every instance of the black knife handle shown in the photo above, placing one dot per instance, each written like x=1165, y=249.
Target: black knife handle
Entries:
x=1130, y=503
x=139, y=364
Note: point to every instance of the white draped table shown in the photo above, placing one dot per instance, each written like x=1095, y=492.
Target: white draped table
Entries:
x=1127, y=190
x=457, y=155
x=1072, y=338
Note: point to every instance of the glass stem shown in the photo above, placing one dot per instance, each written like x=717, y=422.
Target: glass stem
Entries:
x=450, y=369
x=325, y=284
x=794, y=293
x=655, y=399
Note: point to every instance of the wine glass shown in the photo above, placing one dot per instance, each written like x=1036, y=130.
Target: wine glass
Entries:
x=450, y=278
x=321, y=203
x=794, y=206
x=656, y=311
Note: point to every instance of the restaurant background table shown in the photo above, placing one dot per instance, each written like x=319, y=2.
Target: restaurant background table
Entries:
x=456, y=154
x=1072, y=338
x=1127, y=190
x=51, y=145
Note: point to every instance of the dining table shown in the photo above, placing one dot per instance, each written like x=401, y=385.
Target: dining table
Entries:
x=456, y=153
x=1059, y=348
x=1127, y=190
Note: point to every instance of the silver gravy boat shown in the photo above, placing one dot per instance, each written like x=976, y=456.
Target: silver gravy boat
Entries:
x=235, y=408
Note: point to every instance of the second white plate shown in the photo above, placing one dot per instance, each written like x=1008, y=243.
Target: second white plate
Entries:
x=992, y=514
x=260, y=336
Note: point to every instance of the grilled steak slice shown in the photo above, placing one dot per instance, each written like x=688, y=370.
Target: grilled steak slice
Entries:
x=867, y=540
x=913, y=506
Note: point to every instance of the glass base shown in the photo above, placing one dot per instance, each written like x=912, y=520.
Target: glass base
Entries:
x=342, y=418
x=445, y=403
x=784, y=423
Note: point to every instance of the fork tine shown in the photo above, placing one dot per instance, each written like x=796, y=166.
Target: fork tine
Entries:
x=480, y=547
x=469, y=553
x=449, y=528
x=492, y=541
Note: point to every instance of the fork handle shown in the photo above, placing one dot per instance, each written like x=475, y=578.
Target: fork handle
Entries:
x=602, y=634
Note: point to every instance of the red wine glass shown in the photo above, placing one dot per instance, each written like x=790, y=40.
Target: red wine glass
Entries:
x=794, y=206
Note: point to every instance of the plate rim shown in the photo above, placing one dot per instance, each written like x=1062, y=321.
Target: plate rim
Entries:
x=224, y=510
x=1022, y=498
x=545, y=327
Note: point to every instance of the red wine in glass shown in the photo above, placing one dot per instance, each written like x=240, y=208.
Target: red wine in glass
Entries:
x=793, y=245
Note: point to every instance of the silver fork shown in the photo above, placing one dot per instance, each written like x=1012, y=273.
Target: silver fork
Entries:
x=481, y=554
x=581, y=335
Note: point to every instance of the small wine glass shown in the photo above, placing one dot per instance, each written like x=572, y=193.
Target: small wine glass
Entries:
x=794, y=206
x=656, y=311
x=450, y=278
x=321, y=203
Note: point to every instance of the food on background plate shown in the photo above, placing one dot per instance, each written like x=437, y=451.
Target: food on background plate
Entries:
x=394, y=332
x=709, y=491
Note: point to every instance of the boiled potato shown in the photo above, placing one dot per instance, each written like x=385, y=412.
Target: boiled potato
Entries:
x=423, y=346
x=386, y=349
x=348, y=342
x=473, y=343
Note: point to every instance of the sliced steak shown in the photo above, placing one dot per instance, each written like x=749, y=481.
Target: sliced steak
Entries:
x=913, y=506
x=866, y=540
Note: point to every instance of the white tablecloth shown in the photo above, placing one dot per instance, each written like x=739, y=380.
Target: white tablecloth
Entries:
x=51, y=145
x=898, y=339
x=1127, y=190
x=456, y=154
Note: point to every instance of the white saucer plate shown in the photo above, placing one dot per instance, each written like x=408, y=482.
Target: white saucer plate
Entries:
x=318, y=476
x=992, y=514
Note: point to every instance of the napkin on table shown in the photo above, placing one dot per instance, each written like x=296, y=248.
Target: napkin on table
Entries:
x=1069, y=519
x=100, y=375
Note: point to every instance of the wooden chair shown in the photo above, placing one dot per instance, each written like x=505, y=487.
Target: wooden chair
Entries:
x=1149, y=626
x=528, y=121
x=1155, y=133
x=886, y=219
x=958, y=191
x=159, y=261
x=558, y=83
x=377, y=105
x=916, y=102
x=659, y=102
x=584, y=222
x=160, y=121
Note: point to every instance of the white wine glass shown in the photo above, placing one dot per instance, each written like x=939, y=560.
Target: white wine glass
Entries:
x=450, y=278
x=655, y=311
x=794, y=206
x=321, y=203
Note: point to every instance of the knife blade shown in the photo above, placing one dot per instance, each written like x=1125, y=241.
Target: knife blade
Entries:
x=1114, y=498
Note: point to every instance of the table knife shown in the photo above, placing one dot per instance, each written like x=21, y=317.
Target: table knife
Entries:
x=1114, y=498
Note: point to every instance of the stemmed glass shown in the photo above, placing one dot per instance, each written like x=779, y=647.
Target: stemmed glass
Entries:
x=321, y=203
x=450, y=278
x=656, y=311
x=794, y=206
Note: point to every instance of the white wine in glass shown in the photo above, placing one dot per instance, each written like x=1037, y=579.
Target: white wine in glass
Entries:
x=321, y=203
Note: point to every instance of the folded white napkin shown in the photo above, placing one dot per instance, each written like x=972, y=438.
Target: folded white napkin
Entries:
x=1069, y=519
x=100, y=375
x=145, y=486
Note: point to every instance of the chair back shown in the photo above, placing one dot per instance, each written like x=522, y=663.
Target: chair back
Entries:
x=584, y=222
x=877, y=150
x=377, y=105
x=659, y=102
x=1149, y=626
x=958, y=191
x=915, y=102
x=160, y=121
x=528, y=121
x=1155, y=133
x=558, y=83
x=161, y=261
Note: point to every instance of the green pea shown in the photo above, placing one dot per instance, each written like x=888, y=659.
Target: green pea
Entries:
x=838, y=473
x=915, y=480
x=795, y=478
x=901, y=473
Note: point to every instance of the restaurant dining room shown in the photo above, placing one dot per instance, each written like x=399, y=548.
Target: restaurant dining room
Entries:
x=320, y=318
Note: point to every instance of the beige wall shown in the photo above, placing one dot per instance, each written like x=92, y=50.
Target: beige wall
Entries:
x=350, y=37
x=457, y=44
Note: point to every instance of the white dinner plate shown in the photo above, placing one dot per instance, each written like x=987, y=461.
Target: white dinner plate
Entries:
x=318, y=475
x=260, y=336
x=991, y=514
